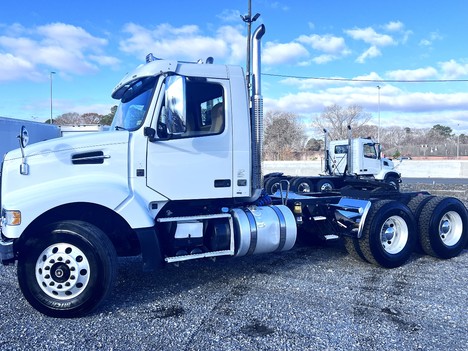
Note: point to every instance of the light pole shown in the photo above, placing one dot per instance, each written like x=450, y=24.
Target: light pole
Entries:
x=378, y=127
x=458, y=142
x=249, y=20
x=51, y=110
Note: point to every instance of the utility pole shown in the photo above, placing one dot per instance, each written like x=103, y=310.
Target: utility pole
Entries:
x=378, y=127
x=51, y=119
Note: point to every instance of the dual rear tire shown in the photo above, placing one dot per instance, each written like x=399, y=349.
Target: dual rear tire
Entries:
x=435, y=225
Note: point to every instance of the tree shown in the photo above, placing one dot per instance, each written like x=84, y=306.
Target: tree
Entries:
x=284, y=135
x=107, y=119
x=69, y=118
x=336, y=120
x=440, y=132
x=314, y=145
x=91, y=118
x=463, y=139
x=74, y=118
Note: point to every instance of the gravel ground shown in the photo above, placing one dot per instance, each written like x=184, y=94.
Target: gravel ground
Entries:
x=310, y=298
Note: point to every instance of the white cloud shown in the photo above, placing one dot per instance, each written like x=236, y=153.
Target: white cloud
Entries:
x=185, y=43
x=394, y=26
x=453, y=70
x=12, y=67
x=229, y=15
x=376, y=40
x=57, y=46
x=370, y=36
x=283, y=53
x=321, y=59
x=70, y=37
x=415, y=74
x=372, y=52
x=399, y=105
x=433, y=36
x=327, y=43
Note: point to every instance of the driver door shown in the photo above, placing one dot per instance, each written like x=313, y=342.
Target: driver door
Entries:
x=192, y=157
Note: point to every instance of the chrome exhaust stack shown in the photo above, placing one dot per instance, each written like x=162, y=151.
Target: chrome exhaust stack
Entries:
x=350, y=155
x=257, y=114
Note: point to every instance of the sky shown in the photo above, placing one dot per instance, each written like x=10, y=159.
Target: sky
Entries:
x=316, y=53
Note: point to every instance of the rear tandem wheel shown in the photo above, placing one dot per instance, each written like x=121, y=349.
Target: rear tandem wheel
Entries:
x=388, y=235
x=443, y=224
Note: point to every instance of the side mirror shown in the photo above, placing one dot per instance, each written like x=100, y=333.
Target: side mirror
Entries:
x=23, y=141
x=150, y=133
x=175, y=105
x=23, y=137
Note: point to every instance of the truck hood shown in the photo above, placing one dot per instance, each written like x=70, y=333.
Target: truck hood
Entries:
x=71, y=145
x=74, y=161
x=90, y=168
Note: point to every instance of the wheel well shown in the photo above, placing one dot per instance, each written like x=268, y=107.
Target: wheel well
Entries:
x=116, y=228
x=392, y=174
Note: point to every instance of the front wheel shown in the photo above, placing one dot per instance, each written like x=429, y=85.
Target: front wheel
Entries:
x=389, y=234
x=443, y=227
x=68, y=269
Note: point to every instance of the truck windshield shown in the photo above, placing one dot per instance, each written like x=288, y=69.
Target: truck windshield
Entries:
x=134, y=104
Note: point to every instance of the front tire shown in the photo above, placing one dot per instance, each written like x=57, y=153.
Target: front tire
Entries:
x=389, y=234
x=68, y=269
x=443, y=224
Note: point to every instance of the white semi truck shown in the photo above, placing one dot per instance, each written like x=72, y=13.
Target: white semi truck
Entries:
x=179, y=178
x=347, y=161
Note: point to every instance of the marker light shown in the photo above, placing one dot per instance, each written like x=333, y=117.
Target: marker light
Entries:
x=12, y=217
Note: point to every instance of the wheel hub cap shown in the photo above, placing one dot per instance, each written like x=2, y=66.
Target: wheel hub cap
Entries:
x=394, y=235
x=62, y=271
x=451, y=228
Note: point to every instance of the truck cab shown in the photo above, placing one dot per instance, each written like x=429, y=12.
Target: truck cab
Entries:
x=184, y=122
x=364, y=159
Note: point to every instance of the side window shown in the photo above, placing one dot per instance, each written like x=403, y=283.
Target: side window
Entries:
x=341, y=149
x=204, y=109
x=369, y=151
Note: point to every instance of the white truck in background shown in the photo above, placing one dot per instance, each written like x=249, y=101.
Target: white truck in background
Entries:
x=356, y=160
x=179, y=178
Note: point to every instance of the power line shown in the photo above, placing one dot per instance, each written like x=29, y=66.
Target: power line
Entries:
x=368, y=80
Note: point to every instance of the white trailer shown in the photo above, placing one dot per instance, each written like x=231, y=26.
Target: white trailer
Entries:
x=69, y=130
x=10, y=129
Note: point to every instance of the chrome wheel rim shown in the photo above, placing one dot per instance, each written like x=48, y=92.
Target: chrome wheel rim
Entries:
x=62, y=271
x=303, y=188
x=394, y=235
x=451, y=228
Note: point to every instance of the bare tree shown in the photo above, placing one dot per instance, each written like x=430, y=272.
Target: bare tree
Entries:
x=91, y=118
x=284, y=135
x=69, y=118
x=74, y=118
x=336, y=120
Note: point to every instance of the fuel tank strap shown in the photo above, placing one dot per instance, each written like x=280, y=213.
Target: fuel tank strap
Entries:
x=282, y=223
x=253, y=232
